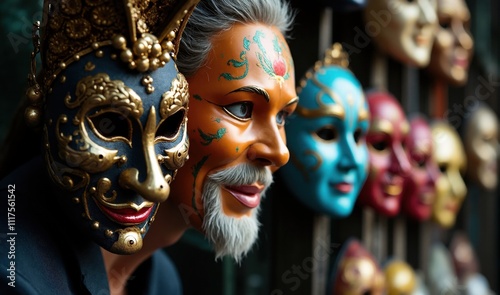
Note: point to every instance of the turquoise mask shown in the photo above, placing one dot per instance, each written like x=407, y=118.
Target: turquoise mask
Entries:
x=329, y=158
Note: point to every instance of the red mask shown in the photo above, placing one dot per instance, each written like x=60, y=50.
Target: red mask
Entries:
x=420, y=187
x=389, y=163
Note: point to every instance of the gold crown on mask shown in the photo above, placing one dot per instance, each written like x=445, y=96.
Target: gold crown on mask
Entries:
x=145, y=34
x=334, y=56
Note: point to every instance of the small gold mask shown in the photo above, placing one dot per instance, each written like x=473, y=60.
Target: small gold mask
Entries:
x=448, y=152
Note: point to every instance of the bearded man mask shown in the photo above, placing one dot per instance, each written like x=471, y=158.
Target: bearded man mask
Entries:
x=241, y=94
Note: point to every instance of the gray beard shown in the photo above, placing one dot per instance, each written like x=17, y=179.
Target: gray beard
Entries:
x=229, y=235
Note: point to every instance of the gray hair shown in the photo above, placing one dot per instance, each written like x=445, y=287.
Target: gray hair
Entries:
x=213, y=16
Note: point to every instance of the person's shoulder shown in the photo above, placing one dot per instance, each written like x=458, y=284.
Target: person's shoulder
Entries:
x=30, y=173
x=163, y=267
x=37, y=259
x=156, y=276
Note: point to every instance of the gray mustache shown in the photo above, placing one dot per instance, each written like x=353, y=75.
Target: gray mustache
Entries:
x=243, y=174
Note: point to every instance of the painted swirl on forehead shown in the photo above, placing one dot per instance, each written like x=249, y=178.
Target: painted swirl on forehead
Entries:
x=276, y=68
x=324, y=109
x=337, y=109
x=243, y=62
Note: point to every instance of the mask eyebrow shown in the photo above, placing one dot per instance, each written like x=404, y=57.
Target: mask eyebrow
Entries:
x=253, y=89
x=381, y=125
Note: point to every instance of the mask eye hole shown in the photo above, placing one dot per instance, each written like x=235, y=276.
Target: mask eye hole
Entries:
x=327, y=133
x=443, y=168
x=170, y=126
x=445, y=23
x=358, y=135
x=379, y=145
x=111, y=126
x=419, y=160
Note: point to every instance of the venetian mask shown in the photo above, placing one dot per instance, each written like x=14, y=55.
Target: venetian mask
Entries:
x=420, y=187
x=403, y=29
x=329, y=158
x=448, y=152
x=115, y=124
x=453, y=45
x=400, y=278
x=356, y=272
x=237, y=111
x=482, y=147
x=388, y=161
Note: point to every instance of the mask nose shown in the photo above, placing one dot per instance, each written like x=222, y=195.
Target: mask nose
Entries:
x=400, y=164
x=156, y=186
x=457, y=184
x=347, y=157
x=269, y=149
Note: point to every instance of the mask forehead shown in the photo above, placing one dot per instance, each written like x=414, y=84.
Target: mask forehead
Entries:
x=250, y=54
x=387, y=116
x=482, y=123
x=333, y=91
x=453, y=8
x=420, y=131
x=454, y=155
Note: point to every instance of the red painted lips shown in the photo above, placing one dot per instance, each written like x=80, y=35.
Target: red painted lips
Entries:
x=127, y=215
x=248, y=195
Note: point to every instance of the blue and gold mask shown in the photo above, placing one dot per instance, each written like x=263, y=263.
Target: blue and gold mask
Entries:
x=115, y=113
x=329, y=157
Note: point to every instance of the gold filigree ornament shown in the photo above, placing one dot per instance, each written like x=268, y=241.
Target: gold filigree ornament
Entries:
x=334, y=56
x=145, y=34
